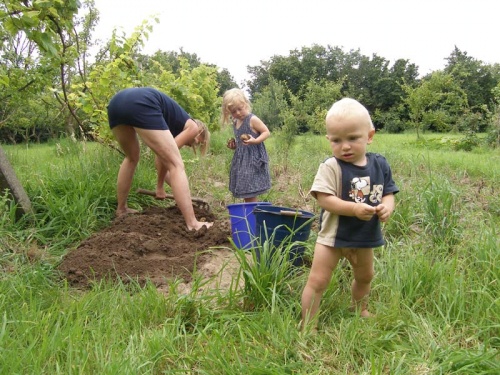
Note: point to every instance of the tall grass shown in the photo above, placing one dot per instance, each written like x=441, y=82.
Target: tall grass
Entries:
x=435, y=293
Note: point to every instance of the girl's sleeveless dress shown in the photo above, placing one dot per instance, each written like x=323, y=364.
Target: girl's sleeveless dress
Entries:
x=249, y=175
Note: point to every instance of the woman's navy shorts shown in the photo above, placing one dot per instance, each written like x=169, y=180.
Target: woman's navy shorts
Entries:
x=138, y=107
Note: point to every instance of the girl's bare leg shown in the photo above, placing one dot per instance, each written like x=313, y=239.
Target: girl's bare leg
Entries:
x=324, y=262
x=163, y=144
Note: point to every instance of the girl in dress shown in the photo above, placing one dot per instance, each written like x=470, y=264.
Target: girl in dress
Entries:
x=249, y=175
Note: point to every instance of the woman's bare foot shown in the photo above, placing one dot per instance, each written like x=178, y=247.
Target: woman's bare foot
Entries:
x=160, y=194
x=127, y=211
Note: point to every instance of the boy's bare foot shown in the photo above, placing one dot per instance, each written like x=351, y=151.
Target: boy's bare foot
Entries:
x=308, y=330
x=363, y=313
x=366, y=314
x=309, y=327
x=127, y=211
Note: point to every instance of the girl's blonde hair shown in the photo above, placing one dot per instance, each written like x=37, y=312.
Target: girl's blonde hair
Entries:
x=230, y=99
x=205, y=135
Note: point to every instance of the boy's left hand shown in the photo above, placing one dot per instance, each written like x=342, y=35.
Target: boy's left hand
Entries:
x=383, y=212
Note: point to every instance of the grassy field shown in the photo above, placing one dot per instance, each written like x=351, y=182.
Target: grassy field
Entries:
x=435, y=293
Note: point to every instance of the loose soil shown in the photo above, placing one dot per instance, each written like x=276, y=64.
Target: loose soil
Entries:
x=154, y=245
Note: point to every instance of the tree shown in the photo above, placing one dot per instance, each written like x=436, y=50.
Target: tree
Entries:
x=119, y=67
x=44, y=22
x=318, y=97
x=172, y=61
x=299, y=67
x=270, y=104
x=436, y=103
x=115, y=68
x=28, y=110
x=225, y=80
x=51, y=26
x=82, y=90
x=494, y=129
x=475, y=79
x=369, y=79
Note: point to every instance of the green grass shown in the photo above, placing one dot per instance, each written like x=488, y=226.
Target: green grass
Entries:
x=435, y=293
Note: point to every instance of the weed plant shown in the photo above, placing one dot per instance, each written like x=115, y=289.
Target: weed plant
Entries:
x=435, y=293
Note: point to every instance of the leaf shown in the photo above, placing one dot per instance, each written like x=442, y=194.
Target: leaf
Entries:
x=32, y=14
x=45, y=43
x=54, y=12
x=29, y=22
x=4, y=80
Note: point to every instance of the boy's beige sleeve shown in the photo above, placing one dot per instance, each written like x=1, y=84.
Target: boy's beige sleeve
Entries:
x=328, y=179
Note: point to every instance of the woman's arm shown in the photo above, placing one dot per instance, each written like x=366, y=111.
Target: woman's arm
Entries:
x=188, y=134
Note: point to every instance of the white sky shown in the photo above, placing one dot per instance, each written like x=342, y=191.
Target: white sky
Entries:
x=234, y=34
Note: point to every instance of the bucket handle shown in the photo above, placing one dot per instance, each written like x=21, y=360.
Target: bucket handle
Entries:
x=291, y=213
x=284, y=212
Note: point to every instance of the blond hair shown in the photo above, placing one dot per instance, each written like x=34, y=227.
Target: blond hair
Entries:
x=348, y=108
x=205, y=134
x=230, y=99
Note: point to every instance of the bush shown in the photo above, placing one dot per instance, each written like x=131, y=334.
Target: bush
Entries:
x=468, y=142
x=389, y=122
x=493, y=137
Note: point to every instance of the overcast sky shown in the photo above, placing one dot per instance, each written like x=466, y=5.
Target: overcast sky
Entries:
x=233, y=34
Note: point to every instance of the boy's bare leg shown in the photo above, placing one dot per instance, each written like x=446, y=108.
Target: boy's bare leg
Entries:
x=324, y=262
x=361, y=261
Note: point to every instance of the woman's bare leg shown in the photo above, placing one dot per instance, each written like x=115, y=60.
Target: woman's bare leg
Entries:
x=127, y=139
x=163, y=144
x=161, y=172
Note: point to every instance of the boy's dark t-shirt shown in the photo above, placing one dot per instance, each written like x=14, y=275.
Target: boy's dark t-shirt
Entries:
x=366, y=184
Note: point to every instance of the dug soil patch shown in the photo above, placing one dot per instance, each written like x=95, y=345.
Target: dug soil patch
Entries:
x=153, y=245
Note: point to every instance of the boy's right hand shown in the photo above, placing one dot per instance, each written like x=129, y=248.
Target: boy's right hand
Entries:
x=364, y=211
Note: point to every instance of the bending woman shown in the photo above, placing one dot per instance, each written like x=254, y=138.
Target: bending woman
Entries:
x=194, y=136
x=157, y=119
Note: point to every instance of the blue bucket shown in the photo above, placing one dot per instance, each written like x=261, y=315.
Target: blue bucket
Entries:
x=243, y=223
x=283, y=226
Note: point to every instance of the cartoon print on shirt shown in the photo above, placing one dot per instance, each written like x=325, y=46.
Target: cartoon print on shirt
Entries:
x=376, y=193
x=360, y=187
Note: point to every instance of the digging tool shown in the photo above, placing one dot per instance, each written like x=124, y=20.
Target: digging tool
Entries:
x=199, y=201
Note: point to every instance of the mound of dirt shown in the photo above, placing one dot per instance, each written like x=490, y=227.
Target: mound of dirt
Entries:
x=154, y=244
